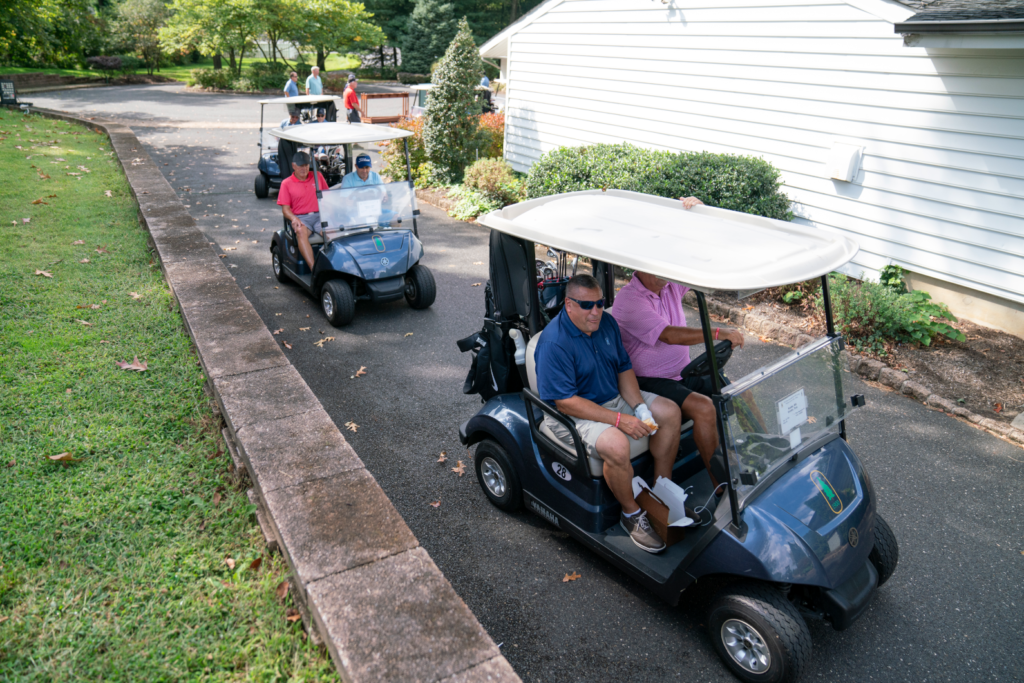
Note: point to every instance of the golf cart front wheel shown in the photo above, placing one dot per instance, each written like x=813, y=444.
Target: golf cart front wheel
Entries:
x=338, y=302
x=275, y=261
x=759, y=634
x=497, y=477
x=262, y=187
x=886, y=553
x=420, y=289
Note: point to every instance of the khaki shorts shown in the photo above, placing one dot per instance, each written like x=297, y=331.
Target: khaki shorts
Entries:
x=591, y=431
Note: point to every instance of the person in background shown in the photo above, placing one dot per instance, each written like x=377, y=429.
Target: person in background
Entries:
x=292, y=119
x=291, y=88
x=351, y=100
x=486, y=82
x=314, y=86
x=321, y=115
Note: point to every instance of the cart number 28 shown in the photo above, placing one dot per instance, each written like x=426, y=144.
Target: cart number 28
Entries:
x=561, y=470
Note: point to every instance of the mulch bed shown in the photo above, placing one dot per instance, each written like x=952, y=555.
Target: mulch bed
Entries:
x=984, y=374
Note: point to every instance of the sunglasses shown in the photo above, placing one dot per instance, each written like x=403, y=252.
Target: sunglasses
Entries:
x=587, y=305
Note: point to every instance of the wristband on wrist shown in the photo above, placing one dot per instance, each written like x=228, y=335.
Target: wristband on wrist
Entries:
x=618, y=416
x=716, y=333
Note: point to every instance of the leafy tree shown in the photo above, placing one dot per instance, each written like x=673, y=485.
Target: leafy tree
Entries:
x=328, y=26
x=392, y=16
x=451, y=135
x=138, y=22
x=47, y=32
x=431, y=28
x=213, y=27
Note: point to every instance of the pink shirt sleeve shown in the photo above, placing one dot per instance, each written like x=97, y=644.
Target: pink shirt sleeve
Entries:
x=638, y=316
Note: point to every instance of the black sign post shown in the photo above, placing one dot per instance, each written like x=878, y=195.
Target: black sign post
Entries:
x=8, y=95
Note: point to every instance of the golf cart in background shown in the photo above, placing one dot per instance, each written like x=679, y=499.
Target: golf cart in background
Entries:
x=370, y=249
x=796, y=534
x=271, y=169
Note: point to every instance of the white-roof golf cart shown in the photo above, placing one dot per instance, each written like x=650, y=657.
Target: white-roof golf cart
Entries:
x=370, y=249
x=271, y=172
x=796, y=535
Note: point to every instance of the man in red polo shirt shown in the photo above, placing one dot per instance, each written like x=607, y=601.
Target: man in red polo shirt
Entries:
x=351, y=100
x=297, y=199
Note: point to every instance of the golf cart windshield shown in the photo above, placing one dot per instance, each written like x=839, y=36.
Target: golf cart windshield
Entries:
x=368, y=206
x=783, y=409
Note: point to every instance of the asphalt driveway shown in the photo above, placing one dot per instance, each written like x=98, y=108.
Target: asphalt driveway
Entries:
x=950, y=613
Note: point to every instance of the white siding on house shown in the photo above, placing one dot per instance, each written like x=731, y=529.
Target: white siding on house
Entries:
x=941, y=186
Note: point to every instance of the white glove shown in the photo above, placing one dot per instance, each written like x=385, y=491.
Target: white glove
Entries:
x=643, y=413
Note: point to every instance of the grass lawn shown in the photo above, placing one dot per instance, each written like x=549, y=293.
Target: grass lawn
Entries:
x=115, y=567
x=334, y=62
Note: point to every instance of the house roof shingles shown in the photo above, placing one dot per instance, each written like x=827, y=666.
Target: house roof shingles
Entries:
x=964, y=10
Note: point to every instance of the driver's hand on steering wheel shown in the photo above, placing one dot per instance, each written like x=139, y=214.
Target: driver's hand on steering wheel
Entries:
x=735, y=336
x=632, y=427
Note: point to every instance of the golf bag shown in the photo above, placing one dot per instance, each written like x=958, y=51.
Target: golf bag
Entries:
x=491, y=372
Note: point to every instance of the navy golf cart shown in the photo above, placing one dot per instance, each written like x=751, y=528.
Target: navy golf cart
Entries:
x=370, y=248
x=274, y=164
x=796, y=534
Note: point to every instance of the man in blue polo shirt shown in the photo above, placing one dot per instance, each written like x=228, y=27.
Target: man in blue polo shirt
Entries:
x=584, y=370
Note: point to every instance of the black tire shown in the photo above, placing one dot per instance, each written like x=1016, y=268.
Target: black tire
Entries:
x=262, y=187
x=886, y=553
x=759, y=611
x=420, y=289
x=277, y=265
x=496, y=475
x=338, y=302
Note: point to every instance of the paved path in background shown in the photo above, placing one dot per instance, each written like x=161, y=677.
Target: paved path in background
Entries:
x=952, y=612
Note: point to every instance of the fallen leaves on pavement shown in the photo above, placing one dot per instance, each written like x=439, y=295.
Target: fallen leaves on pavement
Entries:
x=436, y=504
x=570, y=577
x=44, y=273
x=134, y=365
x=443, y=456
x=321, y=342
x=286, y=345
x=351, y=426
x=361, y=371
x=279, y=330
x=303, y=329
x=459, y=468
x=476, y=284
x=408, y=334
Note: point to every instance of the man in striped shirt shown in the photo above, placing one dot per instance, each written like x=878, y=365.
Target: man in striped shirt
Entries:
x=650, y=314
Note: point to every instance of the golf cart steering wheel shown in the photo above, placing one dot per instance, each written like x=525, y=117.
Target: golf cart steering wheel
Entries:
x=700, y=366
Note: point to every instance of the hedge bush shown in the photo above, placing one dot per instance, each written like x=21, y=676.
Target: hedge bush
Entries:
x=492, y=129
x=739, y=183
x=393, y=152
x=495, y=180
x=268, y=75
x=412, y=79
x=218, y=79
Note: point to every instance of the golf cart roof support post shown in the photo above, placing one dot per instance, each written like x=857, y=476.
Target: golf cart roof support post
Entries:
x=716, y=391
x=830, y=326
x=259, y=142
x=408, y=175
x=316, y=183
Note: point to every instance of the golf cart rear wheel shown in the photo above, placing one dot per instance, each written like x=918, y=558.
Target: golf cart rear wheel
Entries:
x=759, y=634
x=275, y=261
x=338, y=302
x=886, y=553
x=262, y=187
x=497, y=477
x=420, y=289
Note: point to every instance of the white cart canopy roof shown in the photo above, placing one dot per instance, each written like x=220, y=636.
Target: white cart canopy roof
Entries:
x=705, y=248
x=312, y=134
x=303, y=99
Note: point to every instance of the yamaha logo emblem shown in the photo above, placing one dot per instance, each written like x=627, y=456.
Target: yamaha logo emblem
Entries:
x=854, y=538
x=384, y=261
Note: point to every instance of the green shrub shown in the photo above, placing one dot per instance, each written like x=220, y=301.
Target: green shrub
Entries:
x=268, y=75
x=412, y=79
x=471, y=203
x=746, y=184
x=130, y=64
x=393, y=152
x=214, y=79
x=892, y=277
x=874, y=317
x=495, y=180
x=243, y=84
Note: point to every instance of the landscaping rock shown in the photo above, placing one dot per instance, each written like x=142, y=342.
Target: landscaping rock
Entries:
x=1017, y=435
x=398, y=620
x=870, y=369
x=918, y=391
x=753, y=323
x=803, y=340
x=945, y=404
x=998, y=427
x=737, y=316
x=1018, y=422
x=892, y=378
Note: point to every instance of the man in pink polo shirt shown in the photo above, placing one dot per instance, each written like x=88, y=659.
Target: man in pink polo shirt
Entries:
x=650, y=314
x=297, y=199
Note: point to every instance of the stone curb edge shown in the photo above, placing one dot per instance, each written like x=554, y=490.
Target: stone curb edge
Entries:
x=384, y=609
x=869, y=369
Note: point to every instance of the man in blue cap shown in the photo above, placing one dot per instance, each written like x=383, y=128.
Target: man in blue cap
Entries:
x=364, y=174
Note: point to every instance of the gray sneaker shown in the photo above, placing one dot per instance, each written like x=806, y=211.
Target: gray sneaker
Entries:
x=640, y=531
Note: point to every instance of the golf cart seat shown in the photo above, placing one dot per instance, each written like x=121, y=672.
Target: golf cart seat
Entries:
x=636, y=447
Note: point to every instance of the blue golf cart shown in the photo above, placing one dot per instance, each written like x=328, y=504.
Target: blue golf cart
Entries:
x=796, y=534
x=274, y=164
x=370, y=248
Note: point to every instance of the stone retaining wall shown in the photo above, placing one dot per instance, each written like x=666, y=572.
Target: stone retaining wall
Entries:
x=383, y=608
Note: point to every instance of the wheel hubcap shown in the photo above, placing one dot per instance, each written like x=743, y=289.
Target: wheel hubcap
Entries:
x=493, y=476
x=277, y=264
x=410, y=288
x=746, y=646
x=328, y=302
